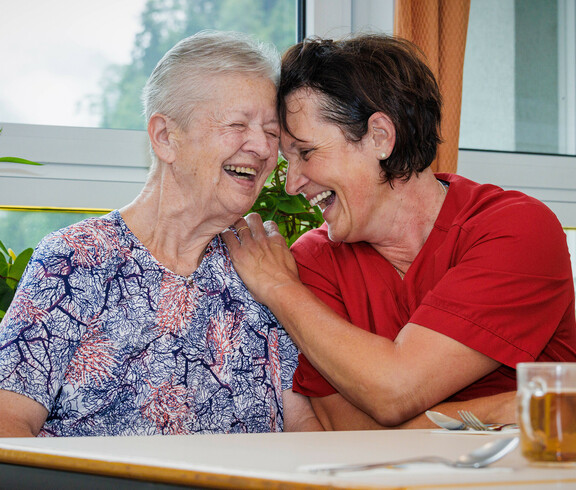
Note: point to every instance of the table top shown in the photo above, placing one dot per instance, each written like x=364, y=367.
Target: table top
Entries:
x=279, y=460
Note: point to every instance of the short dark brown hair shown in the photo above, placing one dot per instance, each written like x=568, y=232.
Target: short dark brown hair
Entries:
x=370, y=73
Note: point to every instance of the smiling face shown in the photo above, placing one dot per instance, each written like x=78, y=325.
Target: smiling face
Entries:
x=222, y=160
x=340, y=177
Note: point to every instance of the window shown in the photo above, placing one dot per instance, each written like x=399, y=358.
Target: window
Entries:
x=518, y=101
x=22, y=228
x=86, y=66
x=518, y=126
x=519, y=77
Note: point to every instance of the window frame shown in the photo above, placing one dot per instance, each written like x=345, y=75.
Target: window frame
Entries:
x=82, y=167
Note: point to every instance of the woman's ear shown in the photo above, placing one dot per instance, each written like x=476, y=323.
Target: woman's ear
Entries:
x=382, y=134
x=161, y=134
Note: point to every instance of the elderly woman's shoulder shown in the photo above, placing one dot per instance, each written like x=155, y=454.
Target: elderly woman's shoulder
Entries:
x=89, y=242
x=100, y=226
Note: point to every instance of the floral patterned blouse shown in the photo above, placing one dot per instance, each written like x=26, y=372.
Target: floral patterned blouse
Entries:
x=113, y=343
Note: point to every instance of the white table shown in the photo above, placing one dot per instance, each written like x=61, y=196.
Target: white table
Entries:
x=274, y=460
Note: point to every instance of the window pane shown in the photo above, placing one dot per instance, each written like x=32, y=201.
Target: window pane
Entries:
x=21, y=229
x=78, y=63
x=519, y=92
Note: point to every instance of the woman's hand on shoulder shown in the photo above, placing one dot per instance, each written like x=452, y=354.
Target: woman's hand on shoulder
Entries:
x=260, y=256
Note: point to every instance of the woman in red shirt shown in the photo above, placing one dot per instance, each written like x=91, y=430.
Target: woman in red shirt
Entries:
x=420, y=288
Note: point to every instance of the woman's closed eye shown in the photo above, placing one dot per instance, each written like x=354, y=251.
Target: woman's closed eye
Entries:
x=305, y=153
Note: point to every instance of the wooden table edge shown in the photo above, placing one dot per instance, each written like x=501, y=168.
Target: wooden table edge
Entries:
x=158, y=474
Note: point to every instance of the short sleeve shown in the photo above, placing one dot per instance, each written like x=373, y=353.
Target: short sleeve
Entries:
x=46, y=319
x=510, y=287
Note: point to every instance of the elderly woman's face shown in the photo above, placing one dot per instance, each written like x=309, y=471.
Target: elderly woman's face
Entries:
x=342, y=178
x=231, y=146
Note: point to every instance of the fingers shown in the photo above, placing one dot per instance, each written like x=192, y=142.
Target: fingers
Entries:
x=271, y=227
x=230, y=240
x=248, y=228
x=259, y=229
x=254, y=221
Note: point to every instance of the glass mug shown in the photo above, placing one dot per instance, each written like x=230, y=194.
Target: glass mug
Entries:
x=546, y=410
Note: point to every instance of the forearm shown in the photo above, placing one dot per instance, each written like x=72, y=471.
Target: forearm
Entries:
x=391, y=381
x=298, y=413
x=336, y=413
x=500, y=408
x=357, y=363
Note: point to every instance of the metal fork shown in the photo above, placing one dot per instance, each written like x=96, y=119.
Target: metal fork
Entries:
x=472, y=421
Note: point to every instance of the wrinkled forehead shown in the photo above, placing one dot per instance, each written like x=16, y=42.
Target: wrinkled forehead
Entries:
x=240, y=92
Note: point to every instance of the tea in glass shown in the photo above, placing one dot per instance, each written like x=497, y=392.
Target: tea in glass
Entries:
x=547, y=412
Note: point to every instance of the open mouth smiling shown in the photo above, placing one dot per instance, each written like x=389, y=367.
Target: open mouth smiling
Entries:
x=246, y=173
x=324, y=199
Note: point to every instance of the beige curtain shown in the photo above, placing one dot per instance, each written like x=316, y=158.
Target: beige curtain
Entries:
x=438, y=28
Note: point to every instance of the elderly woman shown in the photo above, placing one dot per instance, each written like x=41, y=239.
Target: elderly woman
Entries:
x=136, y=323
x=420, y=288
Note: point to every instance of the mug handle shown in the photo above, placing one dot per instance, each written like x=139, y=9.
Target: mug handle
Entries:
x=535, y=387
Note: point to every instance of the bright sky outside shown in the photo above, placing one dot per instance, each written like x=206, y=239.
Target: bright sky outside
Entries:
x=53, y=54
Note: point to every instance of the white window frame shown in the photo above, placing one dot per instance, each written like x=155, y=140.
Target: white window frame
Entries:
x=100, y=168
x=82, y=167
x=567, y=76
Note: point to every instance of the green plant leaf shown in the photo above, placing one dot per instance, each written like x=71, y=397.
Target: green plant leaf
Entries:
x=4, y=249
x=3, y=266
x=22, y=259
x=6, y=296
x=292, y=213
x=291, y=204
x=18, y=160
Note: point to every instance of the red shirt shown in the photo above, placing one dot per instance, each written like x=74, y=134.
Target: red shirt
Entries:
x=494, y=274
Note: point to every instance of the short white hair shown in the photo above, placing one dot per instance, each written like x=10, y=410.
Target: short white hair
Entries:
x=181, y=78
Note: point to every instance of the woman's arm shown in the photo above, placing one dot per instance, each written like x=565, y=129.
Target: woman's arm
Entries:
x=336, y=413
x=391, y=381
x=298, y=413
x=20, y=416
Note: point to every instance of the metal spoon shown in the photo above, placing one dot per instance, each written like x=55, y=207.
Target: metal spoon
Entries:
x=479, y=458
x=444, y=421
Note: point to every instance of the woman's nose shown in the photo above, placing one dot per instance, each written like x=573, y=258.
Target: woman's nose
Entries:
x=295, y=180
x=261, y=144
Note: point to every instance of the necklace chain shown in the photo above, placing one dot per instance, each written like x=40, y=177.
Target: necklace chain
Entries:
x=443, y=186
